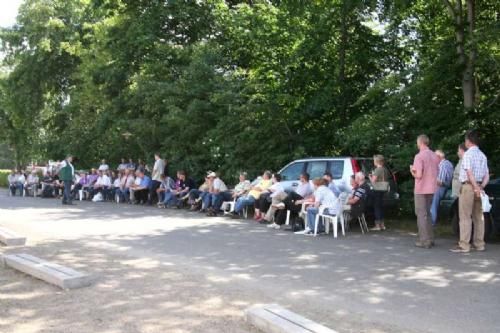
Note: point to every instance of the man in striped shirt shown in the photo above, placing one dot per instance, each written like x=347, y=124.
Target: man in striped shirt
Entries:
x=444, y=178
x=474, y=176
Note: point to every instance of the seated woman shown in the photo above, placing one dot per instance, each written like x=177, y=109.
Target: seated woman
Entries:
x=254, y=194
x=324, y=200
x=115, y=184
x=183, y=185
x=82, y=183
x=267, y=196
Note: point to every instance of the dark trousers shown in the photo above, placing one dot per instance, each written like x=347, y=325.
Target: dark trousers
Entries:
x=263, y=203
x=378, y=205
x=141, y=195
x=290, y=202
x=67, y=198
x=153, y=196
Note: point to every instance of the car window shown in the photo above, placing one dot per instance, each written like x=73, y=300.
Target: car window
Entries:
x=337, y=169
x=316, y=169
x=293, y=171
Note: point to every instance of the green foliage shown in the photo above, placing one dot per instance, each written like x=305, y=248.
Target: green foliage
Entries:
x=243, y=85
x=3, y=178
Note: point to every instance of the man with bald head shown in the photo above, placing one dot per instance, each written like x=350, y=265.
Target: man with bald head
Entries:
x=444, y=179
x=424, y=170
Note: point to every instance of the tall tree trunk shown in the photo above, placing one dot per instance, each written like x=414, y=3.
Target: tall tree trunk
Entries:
x=344, y=39
x=466, y=52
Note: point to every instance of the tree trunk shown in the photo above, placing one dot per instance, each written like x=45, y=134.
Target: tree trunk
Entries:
x=466, y=52
x=344, y=39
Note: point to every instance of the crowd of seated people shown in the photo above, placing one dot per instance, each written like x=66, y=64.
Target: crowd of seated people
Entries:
x=271, y=203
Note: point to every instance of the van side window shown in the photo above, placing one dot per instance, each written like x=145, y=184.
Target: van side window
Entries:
x=316, y=169
x=336, y=169
x=293, y=171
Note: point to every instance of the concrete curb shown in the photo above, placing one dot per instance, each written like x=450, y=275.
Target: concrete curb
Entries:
x=10, y=238
x=272, y=318
x=55, y=274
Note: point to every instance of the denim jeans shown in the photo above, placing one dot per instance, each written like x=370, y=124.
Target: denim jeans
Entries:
x=436, y=199
x=311, y=218
x=16, y=187
x=206, y=200
x=378, y=205
x=169, y=198
x=218, y=198
x=242, y=202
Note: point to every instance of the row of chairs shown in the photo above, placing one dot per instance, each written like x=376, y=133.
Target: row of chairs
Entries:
x=343, y=217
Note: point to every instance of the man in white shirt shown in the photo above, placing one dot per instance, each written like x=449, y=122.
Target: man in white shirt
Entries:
x=103, y=166
x=102, y=185
x=12, y=179
x=217, y=194
x=158, y=171
x=32, y=182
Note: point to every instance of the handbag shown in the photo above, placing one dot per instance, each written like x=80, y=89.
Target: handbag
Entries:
x=381, y=186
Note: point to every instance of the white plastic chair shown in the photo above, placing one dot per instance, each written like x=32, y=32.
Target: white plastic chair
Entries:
x=333, y=219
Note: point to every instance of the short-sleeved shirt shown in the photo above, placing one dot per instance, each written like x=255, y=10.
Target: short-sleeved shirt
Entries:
x=158, y=170
x=103, y=167
x=145, y=182
x=242, y=186
x=304, y=190
x=476, y=161
x=184, y=184
x=276, y=189
x=445, y=174
x=219, y=185
x=427, y=162
x=326, y=199
x=263, y=185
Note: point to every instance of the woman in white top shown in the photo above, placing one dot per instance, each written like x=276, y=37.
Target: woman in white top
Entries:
x=324, y=199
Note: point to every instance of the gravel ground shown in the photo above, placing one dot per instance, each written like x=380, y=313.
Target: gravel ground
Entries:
x=174, y=271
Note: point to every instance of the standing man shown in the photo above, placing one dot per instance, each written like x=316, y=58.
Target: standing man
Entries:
x=66, y=174
x=474, y=176
x=445, y=176
x=425, y=171
x=158, y=170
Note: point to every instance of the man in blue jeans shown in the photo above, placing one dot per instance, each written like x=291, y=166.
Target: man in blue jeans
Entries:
x=444, y=179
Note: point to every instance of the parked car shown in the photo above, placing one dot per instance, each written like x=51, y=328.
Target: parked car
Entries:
x=448, y=209
x=341, y=168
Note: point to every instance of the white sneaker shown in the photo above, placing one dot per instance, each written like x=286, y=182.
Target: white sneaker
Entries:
x=277, y=226
x=272, y=225
x=280, y=205
x=303, y=232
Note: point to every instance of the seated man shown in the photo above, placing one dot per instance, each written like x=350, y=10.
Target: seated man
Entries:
x=325, y=200
x=336, y=187
x=92, y=178
x=141, y=190
x=289, y=201
x=102, y=185
x=48, y=185
x=183, y=185
x=13, y=185
x=32, y=183
x=359, y=195
x=217, y=194
x=167, y=185
x=103, y=167
x=249, y=199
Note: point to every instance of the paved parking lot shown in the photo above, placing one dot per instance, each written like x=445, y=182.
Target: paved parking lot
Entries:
x=175, y=271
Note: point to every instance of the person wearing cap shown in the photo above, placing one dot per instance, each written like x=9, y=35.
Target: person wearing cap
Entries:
x=66, y=175
x=217, y=194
